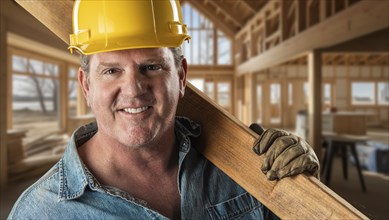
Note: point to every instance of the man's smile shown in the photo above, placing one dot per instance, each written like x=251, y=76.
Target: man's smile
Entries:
x=136, y=110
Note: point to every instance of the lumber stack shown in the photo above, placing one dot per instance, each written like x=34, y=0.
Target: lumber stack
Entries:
x=35, y=158
x=46, y=144
x=15, y=145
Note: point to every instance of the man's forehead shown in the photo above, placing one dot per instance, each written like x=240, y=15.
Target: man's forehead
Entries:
x=142, y=53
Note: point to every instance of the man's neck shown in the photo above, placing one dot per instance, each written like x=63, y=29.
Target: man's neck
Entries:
x=108, y=160
x=149, y=173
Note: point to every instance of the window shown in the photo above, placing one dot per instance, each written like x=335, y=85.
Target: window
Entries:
x=201, y=49
x=72, y=91
x=218, y=90
x=306, y=92
x=275, y=93
x=327, y=94
x=209, y=89
x=223, y=94
x=198, y=83
x=290, y=94
x=224, y=49
x=275, y=103
x=259, y=103
x=383, y=93
x=362, y=93
x=35, y=94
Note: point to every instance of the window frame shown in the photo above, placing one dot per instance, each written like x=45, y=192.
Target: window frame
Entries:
x=374, y=102
x=12, y=50
x=63, y=81
x=212, y=55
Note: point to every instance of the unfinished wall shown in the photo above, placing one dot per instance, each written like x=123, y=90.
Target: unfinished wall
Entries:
x=339, y=77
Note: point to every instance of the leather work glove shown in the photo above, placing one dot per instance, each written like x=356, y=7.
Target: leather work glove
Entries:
x=285, y=154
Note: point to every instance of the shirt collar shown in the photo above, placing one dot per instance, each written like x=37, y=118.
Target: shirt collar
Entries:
x=73, y=175
x=186, y=128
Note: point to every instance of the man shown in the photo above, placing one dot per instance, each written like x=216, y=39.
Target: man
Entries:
x=137, y=160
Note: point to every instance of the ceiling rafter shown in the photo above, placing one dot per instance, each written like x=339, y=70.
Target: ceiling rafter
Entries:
x=248, y=5
x=383, y=59
x=228, y=15
x=346, y=58
x=227, y=12
x=228, y=29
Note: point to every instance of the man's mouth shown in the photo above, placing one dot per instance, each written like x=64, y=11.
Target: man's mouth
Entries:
x=136, y=110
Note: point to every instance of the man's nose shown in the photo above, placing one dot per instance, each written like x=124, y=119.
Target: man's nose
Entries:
x=133, y=84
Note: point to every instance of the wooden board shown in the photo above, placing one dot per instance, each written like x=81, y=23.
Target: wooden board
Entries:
x=227, y=143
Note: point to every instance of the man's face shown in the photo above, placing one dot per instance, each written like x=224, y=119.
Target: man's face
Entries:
x=134, y=94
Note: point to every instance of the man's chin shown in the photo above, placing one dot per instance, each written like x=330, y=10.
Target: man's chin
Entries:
x=136, y=140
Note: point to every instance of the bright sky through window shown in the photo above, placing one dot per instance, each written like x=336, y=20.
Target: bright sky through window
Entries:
x=204, y=34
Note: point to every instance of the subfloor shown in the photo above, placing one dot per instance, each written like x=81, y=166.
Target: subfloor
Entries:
x=374, y=202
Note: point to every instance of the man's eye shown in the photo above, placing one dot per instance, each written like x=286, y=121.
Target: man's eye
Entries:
x=111, y=71
x=151, y=68
x=155, y=67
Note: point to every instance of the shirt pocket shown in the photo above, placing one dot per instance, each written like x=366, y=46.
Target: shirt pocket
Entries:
x=243, y=206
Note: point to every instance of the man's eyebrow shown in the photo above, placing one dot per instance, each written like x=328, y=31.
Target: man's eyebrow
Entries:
x=159, y=60
x=107, y=64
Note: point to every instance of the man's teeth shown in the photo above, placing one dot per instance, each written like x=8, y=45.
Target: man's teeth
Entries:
x=136, y=110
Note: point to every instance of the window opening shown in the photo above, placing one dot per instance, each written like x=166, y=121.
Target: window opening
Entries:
x=205, y=36
x=362, y=93
x=35, y=96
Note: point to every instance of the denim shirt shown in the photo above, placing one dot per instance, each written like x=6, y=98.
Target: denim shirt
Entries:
x=69, y=191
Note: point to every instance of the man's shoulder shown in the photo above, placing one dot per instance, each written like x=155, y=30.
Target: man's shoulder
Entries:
x=40, y=196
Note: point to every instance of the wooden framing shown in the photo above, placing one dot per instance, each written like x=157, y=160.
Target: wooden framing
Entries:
x=345, y=69
x=361, y=18
x=213, y=16
x=203, y=49
x=227, y=143
x=63, y=96
x=3, y=100
x=314, y=103
x=229, y=15
x=215, y=79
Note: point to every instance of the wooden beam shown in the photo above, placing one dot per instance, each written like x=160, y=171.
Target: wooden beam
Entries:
x=360, y=19
x=31, y=45
x=381, y=60
x=21, y=23
x=376, y=42
x=323, y=9
x=226, y=142
x=58, y=22
x=64, y=96
x=300, y=16
x=315, y=101
x=227, y=12
x=283, y=18
x=228, y=30
x=3, y=101
x=248, y=5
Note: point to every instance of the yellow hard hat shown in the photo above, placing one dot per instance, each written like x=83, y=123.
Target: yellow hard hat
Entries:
x=107, y=25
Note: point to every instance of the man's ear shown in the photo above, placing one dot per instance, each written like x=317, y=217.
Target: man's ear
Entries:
x=182, y=75
x=83, y=80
